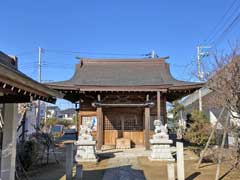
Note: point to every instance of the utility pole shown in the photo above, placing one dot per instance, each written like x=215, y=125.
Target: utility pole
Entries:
x=39, y=80
x=201, y=54
x=39, y=64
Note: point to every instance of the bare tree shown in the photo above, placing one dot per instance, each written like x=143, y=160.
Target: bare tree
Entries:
x=224, y=81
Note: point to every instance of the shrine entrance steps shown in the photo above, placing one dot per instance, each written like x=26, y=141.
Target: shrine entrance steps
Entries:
x=133, y=152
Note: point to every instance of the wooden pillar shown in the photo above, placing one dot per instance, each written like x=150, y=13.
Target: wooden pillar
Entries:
x=158, y=105
x=147, y=127
x=78, y=117
x=99, y=128
x=8, y=154
x=164, y=108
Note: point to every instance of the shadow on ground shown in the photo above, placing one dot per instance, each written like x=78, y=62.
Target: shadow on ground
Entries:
x=51, y=171
x=118, y=173
x=193, y=176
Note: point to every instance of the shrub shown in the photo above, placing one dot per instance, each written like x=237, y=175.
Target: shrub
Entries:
x=199, y=129
x=64, y=122
x=28, y=153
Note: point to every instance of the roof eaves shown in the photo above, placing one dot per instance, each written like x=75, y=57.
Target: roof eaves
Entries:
x=10, y=75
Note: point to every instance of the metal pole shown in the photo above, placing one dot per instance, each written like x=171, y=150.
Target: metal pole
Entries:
x=39, y=64
x=39, y=80
x=199, y=62
x=200, y=99
x=200, y=55
x=199, y=76
x=153, y=54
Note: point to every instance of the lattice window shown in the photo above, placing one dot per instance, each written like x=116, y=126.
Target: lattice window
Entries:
x=112, y=125
x=126, y=124
x=90, y=121
x=134, y=124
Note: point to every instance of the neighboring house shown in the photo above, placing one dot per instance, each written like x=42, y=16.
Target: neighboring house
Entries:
x=191, y=102
x=53, y=111
x=212, y=111
x=30, y=119
x=68, y=114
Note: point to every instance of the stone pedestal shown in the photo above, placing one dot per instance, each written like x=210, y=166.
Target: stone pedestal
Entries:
x=161, y=150
x=85, y=151
x=170, y=171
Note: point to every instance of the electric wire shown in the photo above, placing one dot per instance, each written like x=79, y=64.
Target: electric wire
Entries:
x=227, y=30
x=213, y=33
x=66, y=52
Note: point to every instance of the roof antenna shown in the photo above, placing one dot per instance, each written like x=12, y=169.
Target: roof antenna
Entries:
x=81, y=60
x=152, y=55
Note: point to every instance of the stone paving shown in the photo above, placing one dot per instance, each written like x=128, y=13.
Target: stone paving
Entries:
x=123, y=173
x=124, y=166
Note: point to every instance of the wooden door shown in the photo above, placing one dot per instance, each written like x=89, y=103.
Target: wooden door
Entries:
x=123, y=123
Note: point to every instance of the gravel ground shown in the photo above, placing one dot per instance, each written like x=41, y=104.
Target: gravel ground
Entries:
x=132, y=165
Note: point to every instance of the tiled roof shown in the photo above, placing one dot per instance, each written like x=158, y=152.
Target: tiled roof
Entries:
x=17, y=87
x=122, y=72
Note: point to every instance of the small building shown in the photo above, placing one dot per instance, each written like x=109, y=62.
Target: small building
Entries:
x=30, y=118
x=53, y=111
x=212, y=111
x=68, y=114
x=15, y=87
x=122, y=97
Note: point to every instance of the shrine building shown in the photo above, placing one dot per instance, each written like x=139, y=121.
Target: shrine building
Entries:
x=123, y=97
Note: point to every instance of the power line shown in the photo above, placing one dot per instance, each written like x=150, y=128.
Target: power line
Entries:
x=214, y=30
x=66, y=52
x=227, y=30
x=26, y=53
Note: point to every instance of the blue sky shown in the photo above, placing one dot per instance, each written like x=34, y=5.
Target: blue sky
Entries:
x=103, y=28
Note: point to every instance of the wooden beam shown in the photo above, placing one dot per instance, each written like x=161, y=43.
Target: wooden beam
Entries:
x=158, y=105
x=99, y=128
x=78, y=123
x=6, y=91
x=122, y=104
x=147, y=127
x=14, y=98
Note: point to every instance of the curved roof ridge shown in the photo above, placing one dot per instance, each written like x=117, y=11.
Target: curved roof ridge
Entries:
x=126, y=60
x=112, y=72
